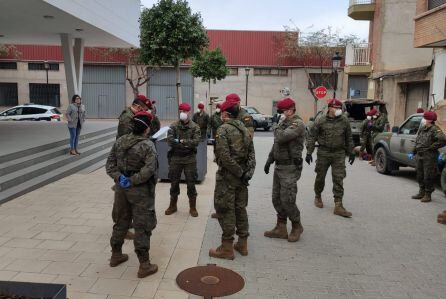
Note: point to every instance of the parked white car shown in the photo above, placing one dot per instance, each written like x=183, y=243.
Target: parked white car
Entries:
x=32, y=112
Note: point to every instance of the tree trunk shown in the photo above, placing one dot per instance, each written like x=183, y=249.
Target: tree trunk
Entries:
x=179, y=95
x=135, y=91
x=209, y=96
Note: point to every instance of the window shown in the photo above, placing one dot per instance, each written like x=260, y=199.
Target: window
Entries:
x=252, y=110
x=8, y=94
x=32, y=110
x=40, y=66
x=233, y=71
x=435, y=3
x=8, y=65
x=14, y=111
x=44, y=94
x=55, y=111
x=270, y=72
x=318, y=79
x=411, y=126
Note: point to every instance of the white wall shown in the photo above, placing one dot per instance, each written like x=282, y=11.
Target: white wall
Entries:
x=439, y=75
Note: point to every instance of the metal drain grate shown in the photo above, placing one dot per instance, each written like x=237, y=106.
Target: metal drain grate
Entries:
x=210, y=281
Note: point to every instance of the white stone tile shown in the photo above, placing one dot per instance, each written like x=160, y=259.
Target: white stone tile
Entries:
x=104, y=271
x=146, y=289
x=114, y=287
x=34, y=277
x=56, y=236
x=65, y=268
x=60, y=255
x=161, y=294
x=56, y=245
x=7, y=275
x=76, y=283
x=22, y=243
x=27, y=265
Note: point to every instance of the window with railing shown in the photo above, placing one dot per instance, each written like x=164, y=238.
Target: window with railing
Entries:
x=270, y=72
x=359, y=2
x=431, y=4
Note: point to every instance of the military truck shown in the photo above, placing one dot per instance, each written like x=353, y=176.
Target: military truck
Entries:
x=392, y=148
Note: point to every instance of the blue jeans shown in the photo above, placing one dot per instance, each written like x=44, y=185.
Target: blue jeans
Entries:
x=74, y=137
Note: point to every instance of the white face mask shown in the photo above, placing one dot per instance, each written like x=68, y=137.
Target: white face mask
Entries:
x=217, y=110
x=282, y=118
x=369, y=117
x=338, y=112
x=183, y=116
x=375, y=117
x=423, y=122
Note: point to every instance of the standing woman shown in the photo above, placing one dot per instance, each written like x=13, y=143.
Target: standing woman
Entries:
x=76, y=116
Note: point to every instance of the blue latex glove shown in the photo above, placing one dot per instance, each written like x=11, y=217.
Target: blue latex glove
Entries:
x=411, y=156
x=124, y=182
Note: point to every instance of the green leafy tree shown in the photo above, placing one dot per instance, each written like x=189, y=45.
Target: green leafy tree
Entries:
x=171, y=34
x=210, y=66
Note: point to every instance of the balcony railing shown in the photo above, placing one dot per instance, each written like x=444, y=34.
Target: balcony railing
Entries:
x=359, y=2
x=357, y=54
x=435, y=3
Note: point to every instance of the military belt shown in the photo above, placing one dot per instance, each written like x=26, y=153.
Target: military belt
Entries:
x=284, y=162
x=129, y=173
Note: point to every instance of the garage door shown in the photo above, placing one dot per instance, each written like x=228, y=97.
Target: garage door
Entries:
x=417, y=96
x=162, y=88
x=103, y=91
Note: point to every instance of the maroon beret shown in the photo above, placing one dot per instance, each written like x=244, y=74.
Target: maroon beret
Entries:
x=420, y=110
x=334, y=103
x=373, y=112
x=218, y=105
x=184, y=107
x=233, y=97
x=145, y=100
x=228, y=104
x=286, y=104
x=430, y=115
x=201, y=106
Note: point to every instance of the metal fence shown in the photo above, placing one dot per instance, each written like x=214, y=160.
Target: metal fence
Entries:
x=357, y=54
x=359, y=2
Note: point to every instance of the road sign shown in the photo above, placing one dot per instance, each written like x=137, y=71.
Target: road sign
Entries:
x=320, y=92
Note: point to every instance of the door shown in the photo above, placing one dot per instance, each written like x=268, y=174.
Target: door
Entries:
x=103, y=91
x=357, y=87
x=403, y=142
x=417, y=95
x=162, y=88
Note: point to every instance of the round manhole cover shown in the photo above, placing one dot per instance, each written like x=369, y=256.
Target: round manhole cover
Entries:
x=210, y=281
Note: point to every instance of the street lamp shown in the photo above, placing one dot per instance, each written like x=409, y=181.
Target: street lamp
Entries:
x=46, y=66
x=247, y=75
x=336, y=64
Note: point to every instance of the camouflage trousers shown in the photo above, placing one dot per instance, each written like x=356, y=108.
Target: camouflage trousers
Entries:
x=427, y=171
x=230, y=201
x=138, y=204
x=285, y=192
x=367, y=144
x=190, y=173
x=335, y=160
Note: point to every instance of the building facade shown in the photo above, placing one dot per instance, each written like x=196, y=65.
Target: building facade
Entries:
x=256, y=72
x=396, y=72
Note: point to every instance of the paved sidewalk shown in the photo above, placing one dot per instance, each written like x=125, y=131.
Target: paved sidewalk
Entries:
x=391, y=248
x=60, y=234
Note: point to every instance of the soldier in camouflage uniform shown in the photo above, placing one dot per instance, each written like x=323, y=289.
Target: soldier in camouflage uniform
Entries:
x=201, y=118
x=155, y=124
x=333, y=133
x=236, y=165
x=430, y=138
x=378, y=125
x=286, y=153
x=133, y=165
x=366, y=135
x=215, y=121
x=125, y=126
x=183, y=137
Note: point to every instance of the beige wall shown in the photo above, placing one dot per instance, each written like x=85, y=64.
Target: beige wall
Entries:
x=394, y=42
x=264, y=90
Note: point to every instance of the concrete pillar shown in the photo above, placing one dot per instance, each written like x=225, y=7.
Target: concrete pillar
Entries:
x=73, y=62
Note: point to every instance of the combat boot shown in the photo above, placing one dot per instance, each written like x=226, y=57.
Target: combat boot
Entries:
x=426, y=198
x=118, y=258
x=224, y=251
x=296, y=230
x=215, y=215
x=193, y=207
x=172, y=207
x=146, y=269
x=242, y=246
x=419, y=195
x=318, y=202
x=340, y=210
x=279, y=231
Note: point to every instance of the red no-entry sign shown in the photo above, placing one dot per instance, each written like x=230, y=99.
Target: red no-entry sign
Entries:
x=320, y=92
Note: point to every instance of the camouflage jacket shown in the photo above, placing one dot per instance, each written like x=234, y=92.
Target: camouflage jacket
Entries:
x=234, y=150
x=202, y=120
x=191, y=136
x=429, y=139
x=215, y=123
x=133, y=156
x=247, y=120
x=366, y=129
x=331, y=134
x=155, y=125
x=289, y=138
x=125, y=125
x=379, y=125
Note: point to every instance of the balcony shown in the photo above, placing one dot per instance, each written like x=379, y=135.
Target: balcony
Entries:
x=361, y=10
x=357, y=59
x=430, y=25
